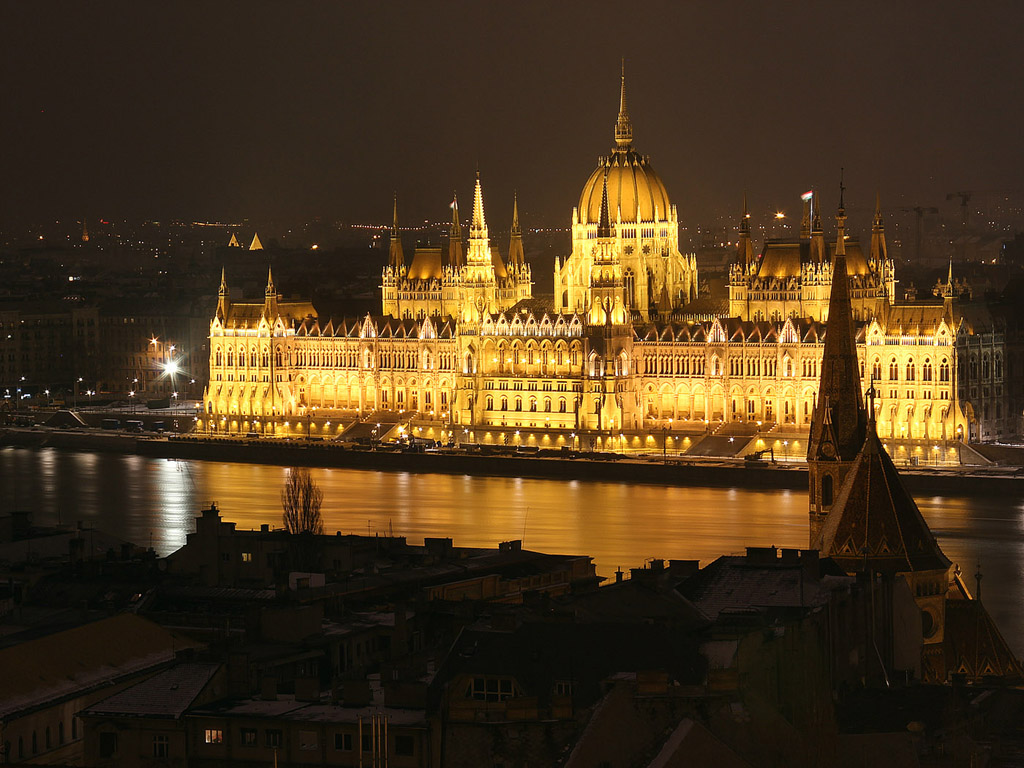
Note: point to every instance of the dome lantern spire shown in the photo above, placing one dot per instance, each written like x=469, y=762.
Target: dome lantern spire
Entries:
x=623, y=126
x=479, y=226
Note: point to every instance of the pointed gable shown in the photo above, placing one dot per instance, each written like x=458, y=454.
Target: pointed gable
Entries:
x=875, y=522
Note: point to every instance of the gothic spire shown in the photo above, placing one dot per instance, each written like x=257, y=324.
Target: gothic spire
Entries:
x=841, y=220
x=270, y=282
x=840, y=390
x=396, y=257
x=516, y=257
x=623, y=126
x=479, y=226
x=456, y=257
x=744, y=250
x=223, y=282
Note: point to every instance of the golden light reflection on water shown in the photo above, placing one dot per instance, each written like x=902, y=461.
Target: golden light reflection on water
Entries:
x=619, y=525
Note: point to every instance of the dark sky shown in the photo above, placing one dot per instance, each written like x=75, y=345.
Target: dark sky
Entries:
x=293, y=110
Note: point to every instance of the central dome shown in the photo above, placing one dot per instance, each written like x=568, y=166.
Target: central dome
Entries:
x=634, y=189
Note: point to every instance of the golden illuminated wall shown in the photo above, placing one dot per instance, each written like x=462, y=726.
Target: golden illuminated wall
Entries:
x=645, y=254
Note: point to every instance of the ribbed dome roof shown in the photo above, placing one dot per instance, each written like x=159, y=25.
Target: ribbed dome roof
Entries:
x=634, y=188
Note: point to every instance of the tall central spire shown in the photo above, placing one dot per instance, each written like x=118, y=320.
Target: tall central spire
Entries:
x=623, y=127
x=478, y=229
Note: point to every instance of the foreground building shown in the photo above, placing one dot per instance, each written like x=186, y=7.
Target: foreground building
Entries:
x=623, y=352
x=864, y=519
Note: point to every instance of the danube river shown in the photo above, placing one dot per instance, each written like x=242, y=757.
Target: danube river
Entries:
x=154, y=502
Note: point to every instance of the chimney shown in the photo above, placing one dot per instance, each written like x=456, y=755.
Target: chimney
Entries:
x=268, y=688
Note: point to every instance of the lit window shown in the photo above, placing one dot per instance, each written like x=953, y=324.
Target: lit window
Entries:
x=214, y=736
x=247, y=557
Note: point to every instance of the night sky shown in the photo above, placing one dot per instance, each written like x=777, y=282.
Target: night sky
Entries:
x=289, y=111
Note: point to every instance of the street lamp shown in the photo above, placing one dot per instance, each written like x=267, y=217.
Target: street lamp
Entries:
x=175, y=396
x=77, y=382
x=131, y=399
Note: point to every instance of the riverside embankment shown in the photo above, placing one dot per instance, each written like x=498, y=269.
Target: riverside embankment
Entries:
x=989, y=481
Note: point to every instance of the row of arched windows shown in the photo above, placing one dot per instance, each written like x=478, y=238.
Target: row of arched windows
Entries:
x=910, y=370
x=517, y=404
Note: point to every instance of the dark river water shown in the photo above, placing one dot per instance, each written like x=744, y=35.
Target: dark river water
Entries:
x=154, y=502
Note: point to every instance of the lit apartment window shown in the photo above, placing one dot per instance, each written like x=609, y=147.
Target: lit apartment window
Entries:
x=214, y=736
x=161, y=746
x=247, y=557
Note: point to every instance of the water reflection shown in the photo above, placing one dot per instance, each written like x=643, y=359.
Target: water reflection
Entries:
x=619, y=525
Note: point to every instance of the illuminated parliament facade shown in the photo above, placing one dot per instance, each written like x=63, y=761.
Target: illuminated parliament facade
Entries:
x=619, y=356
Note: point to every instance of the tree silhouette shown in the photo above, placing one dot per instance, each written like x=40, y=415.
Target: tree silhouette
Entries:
x=301, y=499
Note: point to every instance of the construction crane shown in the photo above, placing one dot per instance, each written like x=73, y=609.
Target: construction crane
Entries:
x=920, y=211
x=965, y=198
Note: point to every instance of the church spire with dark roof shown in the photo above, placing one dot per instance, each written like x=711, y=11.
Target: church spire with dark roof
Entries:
x=623, y=126
x=839, y=422
x=840, y=386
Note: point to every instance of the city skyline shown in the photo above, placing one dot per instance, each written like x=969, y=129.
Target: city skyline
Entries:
x=331, y=110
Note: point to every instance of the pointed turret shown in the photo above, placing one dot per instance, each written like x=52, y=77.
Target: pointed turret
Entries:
x=456, y=253
x=270, y=297
x=516, y=257
x=818, y=250
x=879, y=253
x=396, y=259
x=744, y=248
x=223, y=297
x=255, y=245
x=839, y=422
x=604, y=224
x=623, y=126
x=85, y=232
x=807, y=198
x=841, y=221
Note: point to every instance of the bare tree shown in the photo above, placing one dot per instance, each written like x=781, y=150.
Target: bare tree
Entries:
x=301, y=499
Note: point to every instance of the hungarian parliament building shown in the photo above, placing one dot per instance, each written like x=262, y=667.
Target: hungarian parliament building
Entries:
x=624, y=354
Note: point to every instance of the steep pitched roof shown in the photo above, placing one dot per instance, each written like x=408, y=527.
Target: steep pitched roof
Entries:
x=973, y=644
x=875, y=522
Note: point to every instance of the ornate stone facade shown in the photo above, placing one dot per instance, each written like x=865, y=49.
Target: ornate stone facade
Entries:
x=617, y=358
